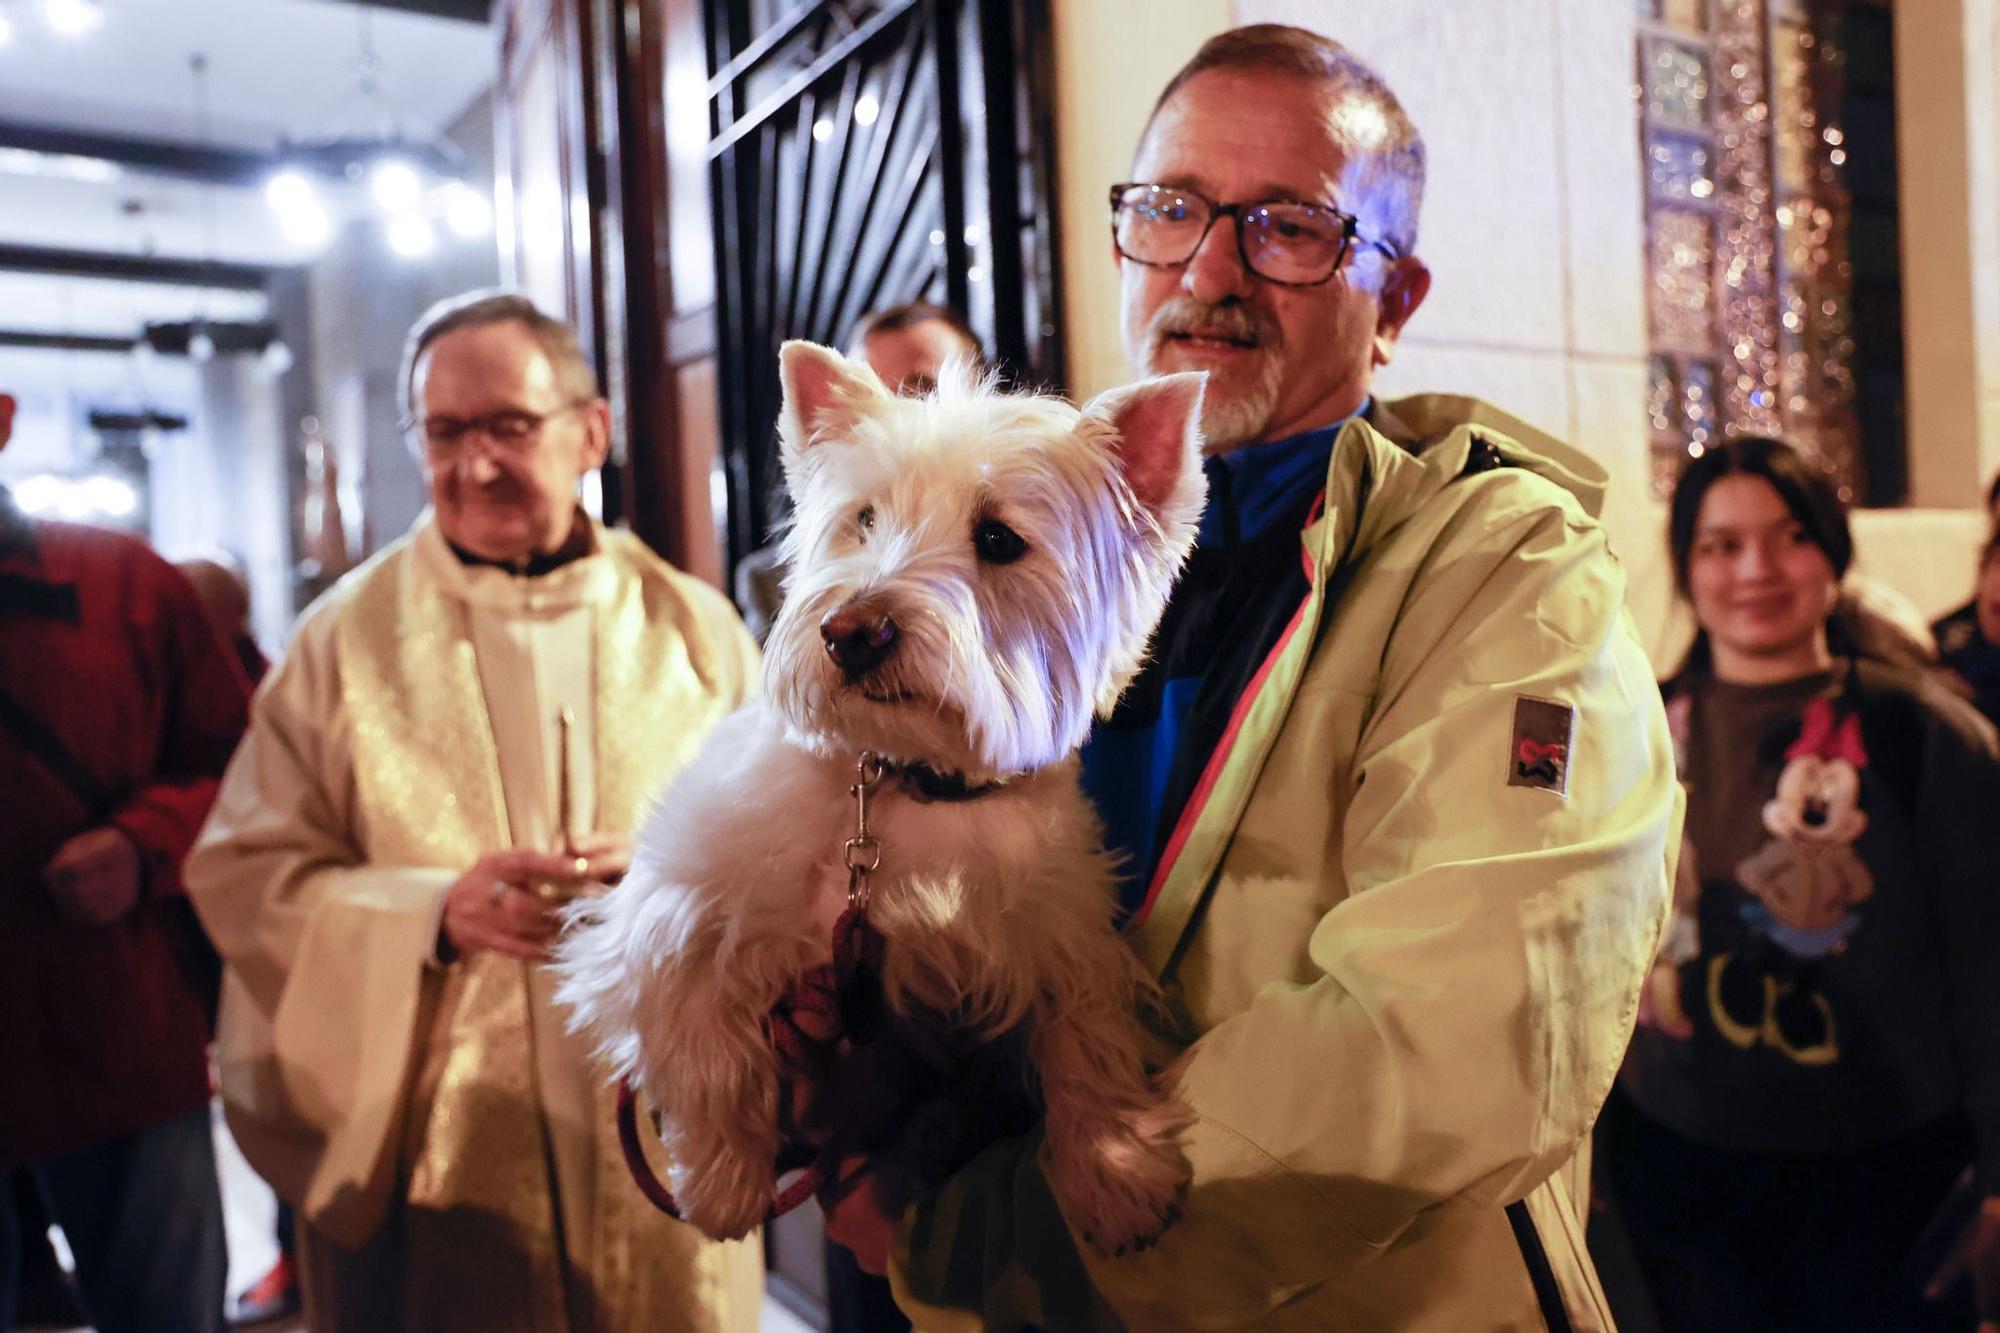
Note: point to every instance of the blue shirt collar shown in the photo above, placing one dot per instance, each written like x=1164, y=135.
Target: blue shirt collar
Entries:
x=1251, y=488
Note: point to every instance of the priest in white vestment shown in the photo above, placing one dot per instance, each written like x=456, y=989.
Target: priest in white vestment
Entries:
x=463, y=734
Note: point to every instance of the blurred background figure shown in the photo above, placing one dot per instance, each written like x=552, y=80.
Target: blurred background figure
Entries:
x=1969, y=638
x=1818, y=1056
x=218, y=580
x=119, y=707
x=906, y=346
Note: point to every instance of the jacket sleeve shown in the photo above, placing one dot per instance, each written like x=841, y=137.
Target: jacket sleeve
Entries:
x=203, y=711
x=1472, y=991
x=325, y=953
x=205, y=705
x=1958, y=790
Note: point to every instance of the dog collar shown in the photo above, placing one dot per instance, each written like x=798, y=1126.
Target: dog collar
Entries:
x=925, y=784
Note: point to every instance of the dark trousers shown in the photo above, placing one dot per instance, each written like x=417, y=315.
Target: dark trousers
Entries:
x=13, y=1249
x=1758, y=1242
x=143, y=1215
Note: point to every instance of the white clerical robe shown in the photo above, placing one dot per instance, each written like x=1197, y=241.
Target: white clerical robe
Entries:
x=447, y=1143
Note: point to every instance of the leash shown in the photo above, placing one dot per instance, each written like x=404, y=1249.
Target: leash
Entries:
x=849, y=991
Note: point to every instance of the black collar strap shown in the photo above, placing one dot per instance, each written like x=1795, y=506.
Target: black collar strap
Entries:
x=582, y=541
x=925, y=784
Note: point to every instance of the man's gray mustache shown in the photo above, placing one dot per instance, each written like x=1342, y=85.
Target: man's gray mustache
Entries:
x=1214, y=321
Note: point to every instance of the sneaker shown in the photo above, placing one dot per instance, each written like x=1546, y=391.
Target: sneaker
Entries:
x=272, y=1296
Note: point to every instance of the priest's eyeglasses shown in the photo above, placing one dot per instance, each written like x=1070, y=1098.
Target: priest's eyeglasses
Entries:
x=1287, y=241
x=511, y=430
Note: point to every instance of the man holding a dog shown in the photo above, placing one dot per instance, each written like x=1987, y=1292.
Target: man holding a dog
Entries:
x=1395, y=787
x=457, y=741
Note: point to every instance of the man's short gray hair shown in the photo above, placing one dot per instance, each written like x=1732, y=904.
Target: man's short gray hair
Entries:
x=1385, y=146
x=575, y=376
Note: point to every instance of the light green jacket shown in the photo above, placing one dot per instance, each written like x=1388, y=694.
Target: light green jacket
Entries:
x=1408, y=983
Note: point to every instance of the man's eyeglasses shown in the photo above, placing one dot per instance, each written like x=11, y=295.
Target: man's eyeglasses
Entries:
x=1286, y=241
x=511, y=430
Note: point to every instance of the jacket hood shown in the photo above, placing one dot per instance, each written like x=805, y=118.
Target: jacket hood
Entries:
x=1440, y=428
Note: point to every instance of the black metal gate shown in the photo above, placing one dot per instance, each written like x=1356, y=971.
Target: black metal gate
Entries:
x=864, y=153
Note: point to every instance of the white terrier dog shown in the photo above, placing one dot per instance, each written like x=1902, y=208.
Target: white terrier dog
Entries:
x=972, y=576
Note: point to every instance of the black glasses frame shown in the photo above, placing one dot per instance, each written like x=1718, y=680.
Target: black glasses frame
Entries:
x=1350, y=231
x=419, y=427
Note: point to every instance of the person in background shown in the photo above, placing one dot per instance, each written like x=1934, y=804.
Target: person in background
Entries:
x=906, y=346
x=1818, y=1056
x=119, y=706
x=219, y=582
x=457, y=741
x=1969, y=638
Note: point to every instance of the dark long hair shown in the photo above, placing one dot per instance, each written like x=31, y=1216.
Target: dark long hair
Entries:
x=1807, y=491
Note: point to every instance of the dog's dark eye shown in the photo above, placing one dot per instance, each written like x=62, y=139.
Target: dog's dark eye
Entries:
x=996, y=543
x=866, y=518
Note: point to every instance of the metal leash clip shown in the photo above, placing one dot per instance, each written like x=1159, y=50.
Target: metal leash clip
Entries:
x=863, y=850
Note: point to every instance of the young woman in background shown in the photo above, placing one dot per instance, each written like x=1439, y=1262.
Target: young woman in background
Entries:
x=1818, y=1056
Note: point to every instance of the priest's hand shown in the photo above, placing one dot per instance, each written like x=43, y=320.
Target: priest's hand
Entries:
x=609, y=855
x=95, y=877
x=505, y=902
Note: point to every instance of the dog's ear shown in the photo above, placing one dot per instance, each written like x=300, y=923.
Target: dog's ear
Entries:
x=825, y=395
x=1158, y=425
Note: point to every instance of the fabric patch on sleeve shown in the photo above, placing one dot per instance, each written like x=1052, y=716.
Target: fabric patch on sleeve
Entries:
x=1539, y=756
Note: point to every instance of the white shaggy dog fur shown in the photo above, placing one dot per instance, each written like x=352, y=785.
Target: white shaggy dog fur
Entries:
x=1017, y=553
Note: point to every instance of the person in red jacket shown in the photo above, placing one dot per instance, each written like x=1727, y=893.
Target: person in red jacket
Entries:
x=119, y=706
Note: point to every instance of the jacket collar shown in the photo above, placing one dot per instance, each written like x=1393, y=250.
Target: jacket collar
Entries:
x=1389, y=424
x=1383, y=470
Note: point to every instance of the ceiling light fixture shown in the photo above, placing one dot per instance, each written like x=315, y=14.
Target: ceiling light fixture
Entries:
x=300, y=214
x=71, y=166
x=309, y=229
x=411, y=236
x=395, y=185
x=72, y=18
x=201, y=347
x=418, y=179
x=6, y=30
x=467, y=211
x=76, y=498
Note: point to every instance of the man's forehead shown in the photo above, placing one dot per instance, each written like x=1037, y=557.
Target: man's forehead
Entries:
x=499, y=358
x=1268, y=136
x=924, y=336
x=1758, y=519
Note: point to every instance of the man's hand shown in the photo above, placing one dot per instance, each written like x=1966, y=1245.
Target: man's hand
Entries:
x=511, y=901
x=95, y=877
x=856, y=1216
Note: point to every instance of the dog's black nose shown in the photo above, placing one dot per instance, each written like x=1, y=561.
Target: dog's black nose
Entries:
x=858, y=640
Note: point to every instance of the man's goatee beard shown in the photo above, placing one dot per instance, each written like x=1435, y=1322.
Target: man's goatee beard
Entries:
x=1228, y=421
